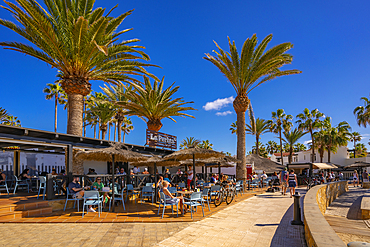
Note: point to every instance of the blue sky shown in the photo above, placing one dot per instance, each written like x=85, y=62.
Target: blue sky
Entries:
x=331, y=48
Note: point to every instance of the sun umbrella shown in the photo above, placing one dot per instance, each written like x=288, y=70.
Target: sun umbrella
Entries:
x=117, y=152
x=193, y=153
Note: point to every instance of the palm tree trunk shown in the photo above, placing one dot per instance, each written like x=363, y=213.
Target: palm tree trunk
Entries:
x=354, y=149
x=109, y=132
x=123, y=137
x=95, y=131
x=115, y=131
x=75, y=110
x=84, y=117
x=290, y=156
x=313, y=147
x=103, y=134
x=241, y=142
x=281, y=148
x=119, y=124
x=257, y=150
x=56, y=112
x=321, y=151
x=329, y=154
x=99, y=130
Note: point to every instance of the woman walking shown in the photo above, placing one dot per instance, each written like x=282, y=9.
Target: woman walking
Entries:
x=292, y=181
x=355, y=179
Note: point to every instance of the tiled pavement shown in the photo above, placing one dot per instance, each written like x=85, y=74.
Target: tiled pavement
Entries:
x=90, y=234
x=263, y=220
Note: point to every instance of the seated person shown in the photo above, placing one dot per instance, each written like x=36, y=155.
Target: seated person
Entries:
x=179, y=172
x=25, y=177
x=62, y=173
x=122, y=171
x=54, y=172
x=213, y=179
x=2, y=176
x=145, y=171
x=77, y=191
x=98, y=185
x=166, y=178
x=170, y=198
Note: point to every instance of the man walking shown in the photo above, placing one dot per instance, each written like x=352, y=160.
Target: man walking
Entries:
x=283, y=180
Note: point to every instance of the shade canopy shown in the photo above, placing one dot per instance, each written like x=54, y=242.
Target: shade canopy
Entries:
x=359, y=164
x=264, y=164
x=321, y=166
x=156, y=160
x=121, y=154
x=199, y=153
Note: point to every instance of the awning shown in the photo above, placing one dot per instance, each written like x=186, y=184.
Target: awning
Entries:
x=359, y=164
x=323, y=166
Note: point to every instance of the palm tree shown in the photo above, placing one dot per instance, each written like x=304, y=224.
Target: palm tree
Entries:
x=3, y=115
x=126, y=128
x=206, y=145
x=336, y=136
x=152, y=103
x=117, y=94
x=280, y=121
x=299, y=147
x=258, y=128
x=12, y=121
x=291, y=138
x=80, y=42
x=310, y=121
x=233, y=127
x=253, y=67
x=354, y=137
x=362, y=113
x=361, y=150
x=54, y=91
x=189, y=142
x=271, y=147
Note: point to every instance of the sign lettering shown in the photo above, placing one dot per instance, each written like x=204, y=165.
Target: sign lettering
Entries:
x=157, y=139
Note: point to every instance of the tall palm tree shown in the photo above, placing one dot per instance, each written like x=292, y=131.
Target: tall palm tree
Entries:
x=3, y=115
x=126, y=128
x=54, y=91
x=153, y=103
x=354, y=137
x=258, y=128
x=117, y=94
x=271, y=147
x=280, y=122
x=336, y=136
x=362, y=113
x=80, y=42
x=310, y=121
x=291, y=138
x=361, y=150
x=253, y=67
x=206, y=145
x=189, y=142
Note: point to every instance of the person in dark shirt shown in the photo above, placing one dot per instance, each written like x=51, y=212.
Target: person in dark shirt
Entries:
x=77, y=191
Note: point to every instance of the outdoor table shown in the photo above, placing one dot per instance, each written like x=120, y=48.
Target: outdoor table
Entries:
x=185, y=194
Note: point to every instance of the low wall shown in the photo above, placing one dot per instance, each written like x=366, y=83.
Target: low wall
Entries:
x=318, y=232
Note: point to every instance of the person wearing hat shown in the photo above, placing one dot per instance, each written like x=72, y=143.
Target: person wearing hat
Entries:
x=283, y=180
x=145, y=171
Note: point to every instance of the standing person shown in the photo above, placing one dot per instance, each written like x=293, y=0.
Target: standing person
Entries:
x=365, y=177
x=355, y=179
x=292, y=180
x=283, y=181
x=333, y=176
x=190, y=176
x=340, y=176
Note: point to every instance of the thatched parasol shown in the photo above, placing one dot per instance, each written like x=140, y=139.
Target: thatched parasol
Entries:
x=264, y=164
x=117, y=152
x=193, y=153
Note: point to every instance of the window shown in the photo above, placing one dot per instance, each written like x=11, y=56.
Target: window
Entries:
x=278, y=159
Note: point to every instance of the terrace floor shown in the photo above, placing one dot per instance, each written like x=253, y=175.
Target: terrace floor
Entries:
x=136, y=212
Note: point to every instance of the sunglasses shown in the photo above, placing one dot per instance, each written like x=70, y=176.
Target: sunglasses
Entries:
x=98, y=179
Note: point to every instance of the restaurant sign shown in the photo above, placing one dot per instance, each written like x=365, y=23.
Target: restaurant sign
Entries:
x=158, y=139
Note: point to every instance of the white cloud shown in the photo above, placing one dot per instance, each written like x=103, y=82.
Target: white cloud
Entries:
x=218, y=104
x=224, y=113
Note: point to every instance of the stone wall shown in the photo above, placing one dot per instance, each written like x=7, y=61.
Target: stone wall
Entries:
x=318, y=232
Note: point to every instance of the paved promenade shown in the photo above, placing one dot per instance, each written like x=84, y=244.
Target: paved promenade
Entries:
x=263, y=220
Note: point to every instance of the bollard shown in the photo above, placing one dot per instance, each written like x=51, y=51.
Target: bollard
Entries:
x=297, y=210
x=249, y=184
x=49, y=187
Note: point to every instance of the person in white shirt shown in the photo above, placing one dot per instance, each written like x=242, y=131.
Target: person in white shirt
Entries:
x=190, y=176
x=136, y=170
x=264, y=175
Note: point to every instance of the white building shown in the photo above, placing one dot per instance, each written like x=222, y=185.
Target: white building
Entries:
x=341, y=157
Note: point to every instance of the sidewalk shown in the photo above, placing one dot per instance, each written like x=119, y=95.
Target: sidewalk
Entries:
x=263, y=220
